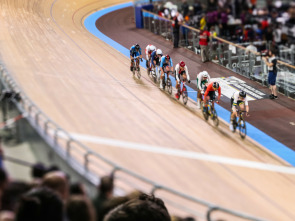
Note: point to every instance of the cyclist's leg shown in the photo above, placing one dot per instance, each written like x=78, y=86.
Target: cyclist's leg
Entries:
x=131, y=62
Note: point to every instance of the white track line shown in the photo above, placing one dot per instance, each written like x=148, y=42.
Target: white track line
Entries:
x=184, y=154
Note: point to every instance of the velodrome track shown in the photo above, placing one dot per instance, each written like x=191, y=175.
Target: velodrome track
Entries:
x=85, y=86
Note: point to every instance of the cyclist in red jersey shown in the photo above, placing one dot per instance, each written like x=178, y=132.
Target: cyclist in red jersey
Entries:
x=210, y=94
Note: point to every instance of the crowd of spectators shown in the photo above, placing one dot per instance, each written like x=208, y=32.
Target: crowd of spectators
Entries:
x=51, y=196
x=239, y=21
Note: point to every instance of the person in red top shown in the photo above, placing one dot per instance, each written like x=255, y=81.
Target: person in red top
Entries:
x=210, y=94
x=203, y=42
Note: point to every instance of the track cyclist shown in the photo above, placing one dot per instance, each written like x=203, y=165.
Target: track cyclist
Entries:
x=135, y=51
x=156, y=59
x=148, y=51
x=180, y=71
x=203, y=79
x=210, y=94
x=239, y=99
x=166, y=65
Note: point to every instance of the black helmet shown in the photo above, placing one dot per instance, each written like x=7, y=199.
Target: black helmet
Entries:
x=167, y=56
x=215, y=85
x=137, y=47
x=242, y=94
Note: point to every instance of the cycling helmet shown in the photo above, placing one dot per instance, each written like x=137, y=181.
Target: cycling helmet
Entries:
x=167, y=57
x=215, y=85
x=182, y=64
x=242, y=94
x=205, y=74
x=159, y=52
x=152, y=48
x=137, y=47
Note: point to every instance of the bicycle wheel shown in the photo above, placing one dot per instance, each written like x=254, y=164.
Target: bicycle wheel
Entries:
x=206, y=116
x=184, y=95
x=242, y=129
x=138, y=72
x=215, y=118
x=169, y=85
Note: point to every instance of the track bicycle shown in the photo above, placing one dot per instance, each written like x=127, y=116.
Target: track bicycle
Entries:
x=167, y=82
x=240, y=124
x=135, y=67
x=153, y=73
x=183, y=91
x=211, y=112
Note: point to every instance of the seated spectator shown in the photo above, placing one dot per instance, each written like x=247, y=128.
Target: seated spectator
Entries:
x=40, y=204
x=37, y=172
x=77, y=189
x=79, y=208
x=143, y=208
x=12, y=193
x=104, y=193
x=57, y=181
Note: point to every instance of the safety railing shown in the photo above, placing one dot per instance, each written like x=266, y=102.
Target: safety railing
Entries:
x=232, y=56
x=85, y=161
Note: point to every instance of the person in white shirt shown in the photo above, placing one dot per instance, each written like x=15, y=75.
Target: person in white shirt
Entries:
x=181, y=71
x=148, y=51
x=203, y=79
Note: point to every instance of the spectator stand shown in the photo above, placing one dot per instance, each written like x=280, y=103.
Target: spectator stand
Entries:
x=227, y=54
x=88, y=166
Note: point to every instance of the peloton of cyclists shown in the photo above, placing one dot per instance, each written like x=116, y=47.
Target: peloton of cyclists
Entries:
x=180, y=71
x=166, y=65
x=148, y=51
x=203, y=79
x=135, y=51
x=155, y=59
x=210, y=94
x=239, y=99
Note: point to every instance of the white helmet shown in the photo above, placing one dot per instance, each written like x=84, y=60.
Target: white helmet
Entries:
x=152, y=48
x=205, y=74
x=159, y=51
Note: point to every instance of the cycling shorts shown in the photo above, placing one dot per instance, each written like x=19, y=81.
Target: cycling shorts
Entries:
x=135, y=54
x=238, y=103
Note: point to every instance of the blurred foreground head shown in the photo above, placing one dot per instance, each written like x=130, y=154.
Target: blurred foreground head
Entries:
x=57, y=181
x=143, y=208
x=40, y=204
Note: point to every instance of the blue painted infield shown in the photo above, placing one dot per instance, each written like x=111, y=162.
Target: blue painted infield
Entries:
x=273, y=145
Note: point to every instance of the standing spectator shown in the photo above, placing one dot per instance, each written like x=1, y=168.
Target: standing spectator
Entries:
x=184, y=8
x=271, y=62
x=185, y=30
x=203, y=42
x=177, y=20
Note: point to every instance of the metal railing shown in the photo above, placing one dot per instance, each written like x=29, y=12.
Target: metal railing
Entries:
x=84, y=160
x=232, y=56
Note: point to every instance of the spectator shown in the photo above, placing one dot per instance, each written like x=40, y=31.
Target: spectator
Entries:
x=271, y=62
x=38, y=170
x=12, y=193
x=105, y=192
x=184, y=8
x=77, y=189
x=185, y=30
x=203, y=42
x=251, y=48
x=40, y=204
x=57, y=181
x=197, y=7
x=3, y=179
x=177, y=20
x=79, y=208
x=143, y=208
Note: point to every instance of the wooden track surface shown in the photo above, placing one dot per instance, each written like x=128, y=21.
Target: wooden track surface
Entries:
x=85, y=86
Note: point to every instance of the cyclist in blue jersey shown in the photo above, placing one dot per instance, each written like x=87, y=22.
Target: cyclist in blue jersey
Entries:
x=135, y=51
x=165, y=66
x=155, y=59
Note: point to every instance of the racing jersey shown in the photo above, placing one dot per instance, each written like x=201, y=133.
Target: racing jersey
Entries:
x=154, y=57
x=202, y=81
x=178, y=72
x=148, y=51
x=235, y=97
x=133, y=52
x=210, y=88
x=166, y=63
